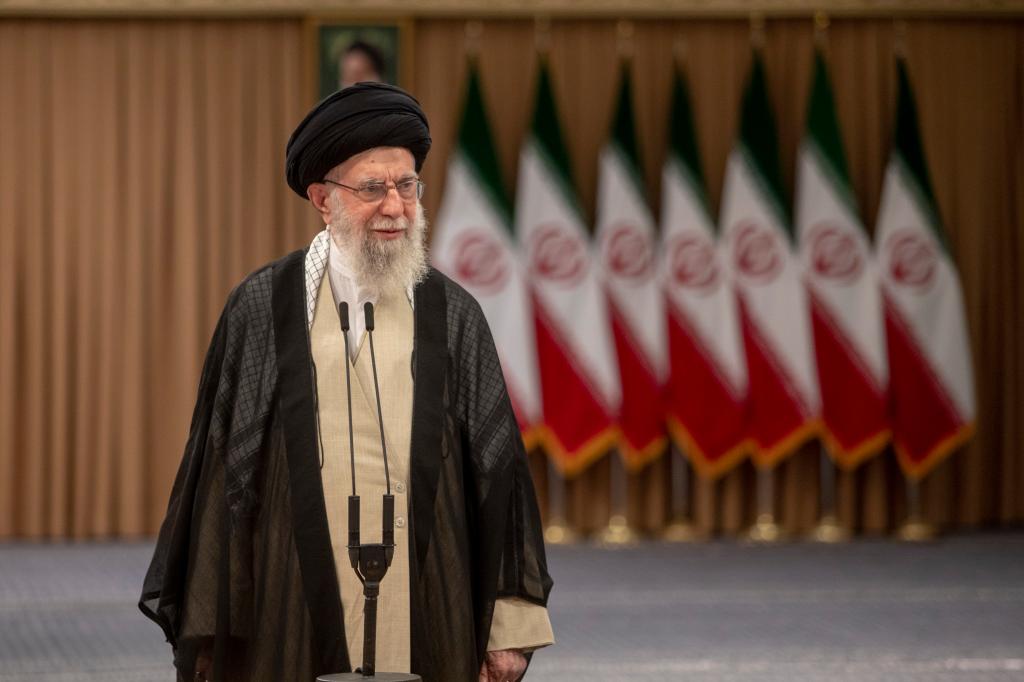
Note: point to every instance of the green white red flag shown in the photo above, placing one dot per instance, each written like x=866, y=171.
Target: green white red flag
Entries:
x=627, y=240
x=784, y=394
x=707, y=388
x=932, y=382
x=474, y=245
x=842, y=280
x=575, y=352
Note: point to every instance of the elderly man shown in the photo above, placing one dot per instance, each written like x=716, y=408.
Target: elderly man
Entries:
x=251, y=578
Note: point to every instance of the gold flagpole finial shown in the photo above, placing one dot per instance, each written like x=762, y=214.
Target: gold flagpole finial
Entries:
x=757, y=35
x=542, y=34
x=679, y=50
x=624, y=30
x=821, y=24
x=899, y=45
x=474, y=30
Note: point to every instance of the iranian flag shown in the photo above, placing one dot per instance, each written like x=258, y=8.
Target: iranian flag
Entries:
x=627, y=239
x=474, y=245
x=842, y=279
x=708, y=384
x=575, y=352
x=932, y=382
x=784, y=401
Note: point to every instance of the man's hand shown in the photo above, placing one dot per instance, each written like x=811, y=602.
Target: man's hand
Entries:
x=507, y=665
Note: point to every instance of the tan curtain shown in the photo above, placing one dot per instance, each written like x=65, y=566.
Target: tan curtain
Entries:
x=141, y=178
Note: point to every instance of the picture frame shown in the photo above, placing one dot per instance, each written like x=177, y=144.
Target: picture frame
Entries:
x=332, y=37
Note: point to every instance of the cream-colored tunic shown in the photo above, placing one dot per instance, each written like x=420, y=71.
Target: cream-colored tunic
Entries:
x=394, y=353
x=516, y=624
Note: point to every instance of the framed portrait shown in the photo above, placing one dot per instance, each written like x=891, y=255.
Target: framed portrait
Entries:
x=348, y=50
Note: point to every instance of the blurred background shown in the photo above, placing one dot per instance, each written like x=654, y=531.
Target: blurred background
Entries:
x=142, y=177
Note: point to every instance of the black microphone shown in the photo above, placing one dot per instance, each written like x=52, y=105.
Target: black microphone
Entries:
x=353, y=499
x=388, y=519
x=370, y=561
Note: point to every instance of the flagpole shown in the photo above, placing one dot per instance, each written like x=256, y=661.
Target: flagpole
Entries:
x=828, y=529
x=618, y=532
x=765, y=529
x=557, y=531
x=915, y=528
x=681, y=528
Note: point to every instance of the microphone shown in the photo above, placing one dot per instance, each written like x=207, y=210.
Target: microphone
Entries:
x=370, y=561
x=388, y=538
x=353, y=499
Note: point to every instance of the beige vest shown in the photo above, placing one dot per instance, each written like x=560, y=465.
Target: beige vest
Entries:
x=393, y=346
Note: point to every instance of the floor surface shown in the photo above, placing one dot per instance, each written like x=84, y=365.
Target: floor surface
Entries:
x=870, y=610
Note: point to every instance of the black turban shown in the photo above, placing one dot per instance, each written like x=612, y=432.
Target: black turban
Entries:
x=352, y=120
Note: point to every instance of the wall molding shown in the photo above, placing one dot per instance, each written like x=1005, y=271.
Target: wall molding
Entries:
x=639, y=9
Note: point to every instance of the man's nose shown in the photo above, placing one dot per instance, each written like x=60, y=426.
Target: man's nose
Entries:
x=392, y=205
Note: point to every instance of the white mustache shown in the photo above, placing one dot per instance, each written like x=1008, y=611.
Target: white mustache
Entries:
x=388, y=225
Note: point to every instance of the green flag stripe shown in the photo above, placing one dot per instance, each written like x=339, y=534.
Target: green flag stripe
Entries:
x=910, y=152
x=767, y=192
x=693, y=183
x=758, y=140
x=823, y=134
x=623, y=138
x=546, y=137
x=476, y=146
x=838, y=183
x=683, y=149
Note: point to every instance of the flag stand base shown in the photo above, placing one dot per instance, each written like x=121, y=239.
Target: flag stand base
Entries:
x=558, y=532
x=916, y=529
x=765, y=530
x=617, y=533
x=829, y=531
x=682, y=530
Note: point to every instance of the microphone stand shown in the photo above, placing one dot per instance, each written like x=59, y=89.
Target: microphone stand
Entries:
x=369, y=561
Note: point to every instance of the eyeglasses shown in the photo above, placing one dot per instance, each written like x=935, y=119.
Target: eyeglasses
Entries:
x=373, y=192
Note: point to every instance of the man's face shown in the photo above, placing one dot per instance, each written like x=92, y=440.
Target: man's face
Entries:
x=381, y=165
x=356, y=67
x=383, y=240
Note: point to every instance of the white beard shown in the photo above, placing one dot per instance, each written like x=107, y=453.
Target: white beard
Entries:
x=385, y=266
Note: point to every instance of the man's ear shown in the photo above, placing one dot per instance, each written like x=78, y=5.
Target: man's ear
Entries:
x=318, y=194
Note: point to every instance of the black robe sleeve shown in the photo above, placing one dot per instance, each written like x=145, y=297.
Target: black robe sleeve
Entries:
x=474, y=516
x=497, y=457
x=224, y=581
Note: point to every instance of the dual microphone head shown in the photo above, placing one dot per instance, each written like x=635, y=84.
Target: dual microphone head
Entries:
x=343, y=314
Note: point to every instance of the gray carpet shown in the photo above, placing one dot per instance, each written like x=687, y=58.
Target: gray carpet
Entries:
x=721, y=611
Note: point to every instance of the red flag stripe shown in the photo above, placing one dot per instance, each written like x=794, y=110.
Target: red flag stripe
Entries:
x=854, y=409
x=706, y=419
x=779, y=421
x=926, y=425
x=642, y=414
x=577, y=429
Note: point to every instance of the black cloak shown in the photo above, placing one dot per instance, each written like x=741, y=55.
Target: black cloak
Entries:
x=243, y=565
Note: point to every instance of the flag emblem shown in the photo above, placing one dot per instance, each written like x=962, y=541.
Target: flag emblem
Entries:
x=758, y=253
x=834, y=254
x=481, y=262
x=558, y=255
x=692, y=262
x=627, y=252
x=912, y=259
